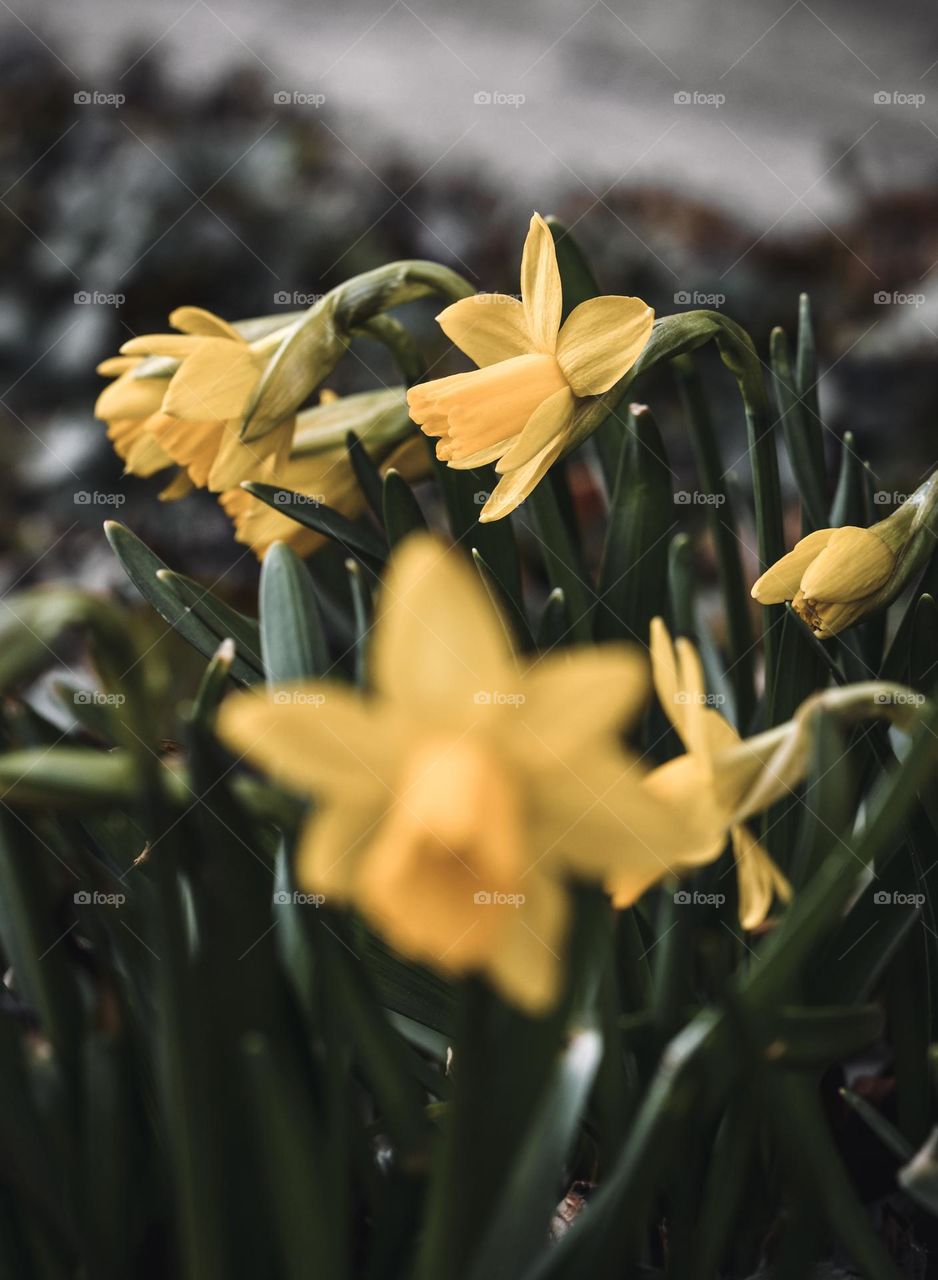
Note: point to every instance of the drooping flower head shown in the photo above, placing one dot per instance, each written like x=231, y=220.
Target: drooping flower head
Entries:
x=517, y=408
x=198, y=422
x=458, y=801
x=836, y=577
x=697, y=785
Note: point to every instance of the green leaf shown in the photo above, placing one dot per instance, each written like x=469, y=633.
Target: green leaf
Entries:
x=292, y=639
x=298, y=1179
x=367, y=475
x=633, y=577
x=362, y=616
x=562, y=556
x=355, y=538
x=142, y=567
x=553, y=625
x=877, y=1123
x=722, y=522
x=518, y=1230
x=402, y=514
x=218, y=617
x=798, y=435
x=515, y=622
x=464, y=495
x=852, y=499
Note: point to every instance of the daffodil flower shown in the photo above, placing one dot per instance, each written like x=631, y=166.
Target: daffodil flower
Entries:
x=456, y=803
x=517, y=408
x=200, y=419
x=836, y=577
x=710, y=796
x=318, y=467
x=130, y=405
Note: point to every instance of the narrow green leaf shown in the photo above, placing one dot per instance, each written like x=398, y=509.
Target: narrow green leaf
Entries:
x=355, y=538
x=402, y=514
x=292, y=640
x=218, y=616
x=142, y=567
x=798, y=436
x=518, y=1231
x=721, y=518
x=516, y=624
x=367, y=475
x=633, y=577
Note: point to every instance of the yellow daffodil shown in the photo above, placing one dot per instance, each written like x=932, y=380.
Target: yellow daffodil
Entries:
x=836, y=577
x=457, y=802
x=517, y=408
x=693, y=784
x=129, y=406
x=198, y=422
x=319, y=469
x=832, y=577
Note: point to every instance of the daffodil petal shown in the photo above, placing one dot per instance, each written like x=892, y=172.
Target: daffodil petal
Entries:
x=855, y=563
x=600, y=341
x=514, y=487
x=548, y=423
x=527, y=963
x=488, y=327
x=571, y=699
x=758, y=878
x=333, y=843
x=541, y=290
x=215, y=380
x=177, y=345
x=685, y=787
x=314, y=738
x=439, y=649
x=199, y=321
x=782, y=581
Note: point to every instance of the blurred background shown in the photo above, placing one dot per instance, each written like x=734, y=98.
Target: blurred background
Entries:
x=243, y=157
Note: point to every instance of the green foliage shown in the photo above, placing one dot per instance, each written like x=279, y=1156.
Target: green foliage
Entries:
x=209, y=1074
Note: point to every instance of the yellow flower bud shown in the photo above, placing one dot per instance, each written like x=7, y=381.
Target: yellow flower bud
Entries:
x=836, y=577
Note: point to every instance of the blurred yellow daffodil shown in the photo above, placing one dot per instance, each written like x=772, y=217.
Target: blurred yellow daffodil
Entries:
x=517, y=408
x=709, y=796
x=458, y=801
